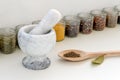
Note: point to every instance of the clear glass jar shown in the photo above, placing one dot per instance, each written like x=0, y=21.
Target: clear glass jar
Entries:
x=112, y=16
x=72, y=25
x=118, y=9
x=60, y=30
x=7, y=40
x=99, y=20
x=86, y=24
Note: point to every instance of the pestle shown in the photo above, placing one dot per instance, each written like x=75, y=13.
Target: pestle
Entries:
x=47, y=23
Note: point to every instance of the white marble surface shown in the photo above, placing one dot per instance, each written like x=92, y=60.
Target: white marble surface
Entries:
x=109, y=39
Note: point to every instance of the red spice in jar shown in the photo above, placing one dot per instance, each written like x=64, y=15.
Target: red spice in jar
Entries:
x=99, y=20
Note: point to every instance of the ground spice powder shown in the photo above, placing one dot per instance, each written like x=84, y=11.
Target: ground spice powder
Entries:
x=60, y=31
x=71, y=54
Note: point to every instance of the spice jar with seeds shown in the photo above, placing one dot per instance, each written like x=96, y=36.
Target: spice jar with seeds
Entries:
x=72, y=25
x=86, y=24
x=7, y=40
x=99, y=20
x=112, y=16
x=60, y=31
x=118, y=9
x=36, y=22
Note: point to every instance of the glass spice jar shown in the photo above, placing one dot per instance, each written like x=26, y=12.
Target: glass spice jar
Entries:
x=86, y=24
x=60, y=30
x=112, y=16
x=99, y=20
x=71, y=25
x=7, y=40
x=118, y=9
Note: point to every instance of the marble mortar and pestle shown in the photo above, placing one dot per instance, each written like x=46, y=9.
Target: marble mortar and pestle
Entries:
x=38, y=40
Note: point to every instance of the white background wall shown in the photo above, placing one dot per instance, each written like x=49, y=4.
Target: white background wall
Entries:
x=13, y=12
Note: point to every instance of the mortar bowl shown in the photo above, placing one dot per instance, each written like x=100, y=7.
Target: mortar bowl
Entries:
x=36, y=47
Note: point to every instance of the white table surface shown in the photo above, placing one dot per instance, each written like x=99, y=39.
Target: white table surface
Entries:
x=109, y=39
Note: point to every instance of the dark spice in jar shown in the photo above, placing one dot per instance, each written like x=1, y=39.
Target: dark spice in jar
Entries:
x=118, y=20
x=99, y=20
x=111, y=18
x=118, y=9
x=86, y=24
x=72, y=26
x=71, y=54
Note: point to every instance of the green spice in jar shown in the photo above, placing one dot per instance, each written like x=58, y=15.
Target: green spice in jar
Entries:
x=99, y=20
x=72, y=25
x=118, y=9
x=112, y=16
x=86, y=24
x=7, y=40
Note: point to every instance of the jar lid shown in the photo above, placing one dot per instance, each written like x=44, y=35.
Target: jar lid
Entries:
x=109, y=10
x=84, y=15
x=97, y=12
x=62, y=22
x=71, y=18
x=117, y=7
x=7, y=32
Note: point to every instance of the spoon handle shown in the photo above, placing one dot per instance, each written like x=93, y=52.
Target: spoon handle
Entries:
x=106, y=53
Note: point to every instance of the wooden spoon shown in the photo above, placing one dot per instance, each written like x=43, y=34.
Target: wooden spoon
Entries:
x=78, y=55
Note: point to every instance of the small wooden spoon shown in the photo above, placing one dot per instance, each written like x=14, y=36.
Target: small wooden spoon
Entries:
x=78, y=55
